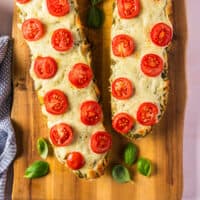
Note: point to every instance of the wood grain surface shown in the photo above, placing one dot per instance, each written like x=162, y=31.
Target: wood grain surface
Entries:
x=163, y=147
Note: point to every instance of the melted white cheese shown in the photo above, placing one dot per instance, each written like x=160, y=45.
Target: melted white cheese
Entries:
x=139, y=28
x=66, y=60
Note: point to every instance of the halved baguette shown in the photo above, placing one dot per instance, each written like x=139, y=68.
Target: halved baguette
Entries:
x=95, y=164
x=147, y=89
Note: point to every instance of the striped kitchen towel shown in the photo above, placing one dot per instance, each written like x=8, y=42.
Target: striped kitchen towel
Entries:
x=7, y=138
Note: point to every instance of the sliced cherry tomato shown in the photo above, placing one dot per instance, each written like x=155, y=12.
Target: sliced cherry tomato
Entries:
x=161, y=34
x=32, y=29
x=45, y=67
x=123, y=123
x=101, y=142
x=152, y=65
x=128, y=8
x=61, y=134
x=91, y=113
x=147, y=114
x=122, y=88
x=75, y=160
x=62, y=40
x=56, y=102
x=80, y=75
x=22, y=1
x=58, y=8
x=122, y=45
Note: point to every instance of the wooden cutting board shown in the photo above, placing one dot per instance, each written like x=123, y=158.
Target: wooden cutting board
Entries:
x=163, y=146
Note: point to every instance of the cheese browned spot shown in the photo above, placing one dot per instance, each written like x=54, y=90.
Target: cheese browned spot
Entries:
x=65, y=61
x=147, y=89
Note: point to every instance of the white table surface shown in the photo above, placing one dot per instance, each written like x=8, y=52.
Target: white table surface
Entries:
x=191, y=159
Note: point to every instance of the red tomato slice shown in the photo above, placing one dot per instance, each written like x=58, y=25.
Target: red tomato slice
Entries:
x=161, y=34
x=122, y=88
x=22, y=1
x=75, y=160
x=123, y=123
x=58, y=8
x=91, y=113
x=80, y=75
x=32, y=29
x=128, y=8
x=62, y=40
x=45, y=67
x=147, y=114
x=122, y=45
x=61, y=134
x=100, y=142
x=152, y=65
x=56, y=102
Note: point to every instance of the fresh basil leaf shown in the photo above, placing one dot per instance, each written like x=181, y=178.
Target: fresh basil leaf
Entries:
x=144, y=166
x=95, y=17
x=130, y=154
x=37, y=169
x=121, y=174
x=42, y=147
x=94, y=2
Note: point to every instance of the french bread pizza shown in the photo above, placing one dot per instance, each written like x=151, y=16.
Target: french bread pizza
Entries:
x=141, y=34
x=63, y=78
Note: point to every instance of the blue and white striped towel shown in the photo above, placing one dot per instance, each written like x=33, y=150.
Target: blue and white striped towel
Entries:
x=7, y=138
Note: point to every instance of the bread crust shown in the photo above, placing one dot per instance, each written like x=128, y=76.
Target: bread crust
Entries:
x=144, y=130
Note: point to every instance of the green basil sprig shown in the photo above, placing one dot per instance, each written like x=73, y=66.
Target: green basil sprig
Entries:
x=42, y=147
x=130, y=154
x=121, y=174
x=95, y=16
x=144, y=166
x=37, y=169
x=94, y=2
